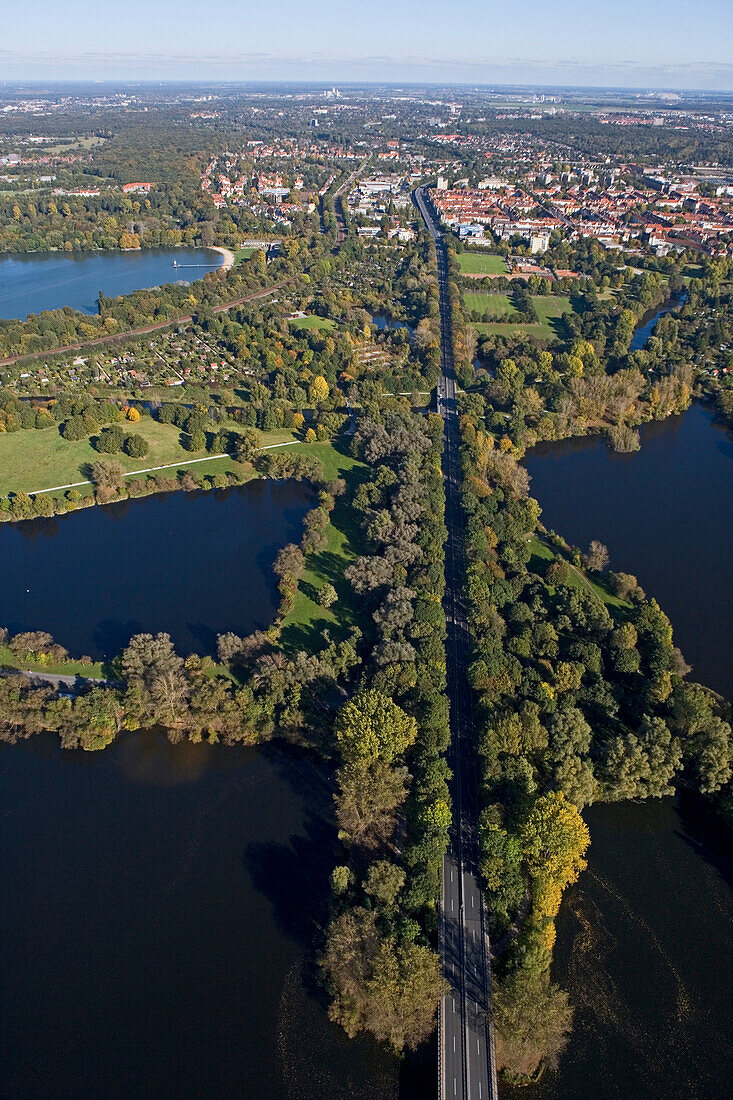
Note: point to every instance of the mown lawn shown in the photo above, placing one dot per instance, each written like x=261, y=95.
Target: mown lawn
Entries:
x=95, y=671
x=303, y=628
x=301, y=324
x=498, y=305
x=42, y=459
x=549, y=327
x=476, y=263
x=543, y=554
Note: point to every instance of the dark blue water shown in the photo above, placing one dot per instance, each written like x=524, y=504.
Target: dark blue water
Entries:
x=157, y=909
x=644, y=331
x=666, y=515
x=382, y=322
x=645, y=950
x=32, y=282
x=645, y=938
x=192, y=564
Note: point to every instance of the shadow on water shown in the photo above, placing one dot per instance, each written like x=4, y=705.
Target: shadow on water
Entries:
x=110, y=635
x=161, y=909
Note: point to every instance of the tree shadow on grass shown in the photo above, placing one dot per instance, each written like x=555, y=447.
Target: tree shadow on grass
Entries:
x=559, y=328
x=309, y=590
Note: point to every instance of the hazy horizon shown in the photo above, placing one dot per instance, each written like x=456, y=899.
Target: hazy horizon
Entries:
x=654, y=44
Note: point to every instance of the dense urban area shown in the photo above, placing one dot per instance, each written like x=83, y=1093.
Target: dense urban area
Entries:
x=410, y=289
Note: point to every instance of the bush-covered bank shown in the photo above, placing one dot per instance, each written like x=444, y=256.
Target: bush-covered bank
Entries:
x=393, y=803
x=580, y=692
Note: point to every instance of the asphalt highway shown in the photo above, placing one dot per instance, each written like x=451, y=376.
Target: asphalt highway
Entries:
x=466, y=1040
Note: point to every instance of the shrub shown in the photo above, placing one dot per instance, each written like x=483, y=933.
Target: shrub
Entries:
x=136, y=446
x=327, y=595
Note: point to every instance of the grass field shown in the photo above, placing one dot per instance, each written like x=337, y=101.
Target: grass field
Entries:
x=32, y=460
x=550, y=309
x=325, y=324
x=96, y=671
x=499, y=305
x=476, y=263
x=242, y=254
x=303, y=628
x=543, y=554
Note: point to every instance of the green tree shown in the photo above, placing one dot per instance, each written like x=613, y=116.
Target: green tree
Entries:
x=196, y=441
x=248, y=443
x=532, y=1021
x=111, y=440
x=384, y=986
x=327, y=595
x=74, y=429
x=368, y=797
x=384, y=881
x=136, y=446
x=371, y=726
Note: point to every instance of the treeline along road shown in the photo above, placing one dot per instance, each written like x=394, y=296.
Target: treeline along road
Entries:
x=467, y=1059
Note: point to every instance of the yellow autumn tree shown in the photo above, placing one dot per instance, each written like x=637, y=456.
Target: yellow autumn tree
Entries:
x=318, y=391
x=554, y=840
x=129, y=240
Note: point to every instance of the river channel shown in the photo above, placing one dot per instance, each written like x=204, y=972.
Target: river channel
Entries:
x=34, y=281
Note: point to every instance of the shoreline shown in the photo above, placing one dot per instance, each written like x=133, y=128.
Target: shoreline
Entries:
x=227, y=253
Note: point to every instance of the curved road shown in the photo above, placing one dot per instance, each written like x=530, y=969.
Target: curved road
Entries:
x=466, y=1035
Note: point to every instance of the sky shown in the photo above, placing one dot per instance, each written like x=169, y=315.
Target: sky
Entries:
x=622, y=43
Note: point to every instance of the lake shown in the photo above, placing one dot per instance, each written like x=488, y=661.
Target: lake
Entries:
x=666, y=515
x=35, y=281
x=191, y=564
x=645, y=938
x=645, y=950
x=159, y=912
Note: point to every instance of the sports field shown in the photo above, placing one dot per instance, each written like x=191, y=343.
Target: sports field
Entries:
x=476, y=263
x=549, y=327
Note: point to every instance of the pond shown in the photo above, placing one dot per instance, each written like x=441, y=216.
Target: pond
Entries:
x=34, y=281
x=159, y=911
x=383, y=322
x=666, y=515
x=191, y=564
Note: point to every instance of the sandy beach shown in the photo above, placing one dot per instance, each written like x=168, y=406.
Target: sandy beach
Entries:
x=226, y=253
